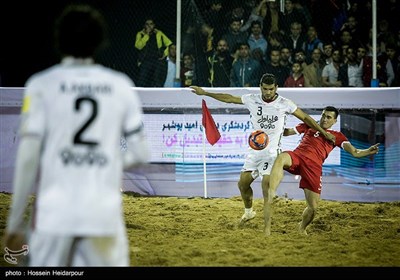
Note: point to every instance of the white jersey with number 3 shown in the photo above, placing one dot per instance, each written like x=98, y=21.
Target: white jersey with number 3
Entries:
x=269, y=117
x=80, y=111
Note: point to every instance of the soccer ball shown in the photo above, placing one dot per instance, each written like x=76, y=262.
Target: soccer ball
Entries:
x=258, y=140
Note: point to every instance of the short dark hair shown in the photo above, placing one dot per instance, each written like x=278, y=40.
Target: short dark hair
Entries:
x=80, y=31
x=268, y=79
x=332, y=109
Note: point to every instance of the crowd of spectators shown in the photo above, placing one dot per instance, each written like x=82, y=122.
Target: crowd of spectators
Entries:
x=304, y=43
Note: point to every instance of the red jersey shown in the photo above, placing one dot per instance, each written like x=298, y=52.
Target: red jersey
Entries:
x=314, y=146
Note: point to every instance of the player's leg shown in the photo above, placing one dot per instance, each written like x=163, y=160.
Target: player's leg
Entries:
x=270, y=183
x=49, y=250
x=246, y=192
x=244, y=184
x=102, y=251
x=267, y=204
x=311, y=183
x=308, y=215
x=283, y=160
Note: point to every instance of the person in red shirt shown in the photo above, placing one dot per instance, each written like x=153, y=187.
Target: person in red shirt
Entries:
x=296, y=79
x=307, y=160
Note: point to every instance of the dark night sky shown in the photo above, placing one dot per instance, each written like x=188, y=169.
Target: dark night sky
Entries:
x=26, y=29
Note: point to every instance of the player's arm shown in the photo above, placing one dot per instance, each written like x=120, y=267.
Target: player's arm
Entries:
x=223, y=97
x=137, y=148
x=307, y=119
x=357, y=153
x=26, y=168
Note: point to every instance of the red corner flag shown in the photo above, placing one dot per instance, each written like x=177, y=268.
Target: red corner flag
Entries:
x=211, y=129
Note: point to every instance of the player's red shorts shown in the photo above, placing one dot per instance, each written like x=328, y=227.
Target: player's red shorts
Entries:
x=310, y=172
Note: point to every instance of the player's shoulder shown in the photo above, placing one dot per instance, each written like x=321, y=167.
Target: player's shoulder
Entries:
x=283, y=99
x=251, y=97
x=42, y=77
x=335, y=132
x=115, y=74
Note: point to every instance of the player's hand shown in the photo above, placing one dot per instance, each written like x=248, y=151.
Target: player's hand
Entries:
x=14, y=241
x=374, y=149
x=198, y=90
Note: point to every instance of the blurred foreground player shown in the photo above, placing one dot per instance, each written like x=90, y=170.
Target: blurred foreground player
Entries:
x=73, y=117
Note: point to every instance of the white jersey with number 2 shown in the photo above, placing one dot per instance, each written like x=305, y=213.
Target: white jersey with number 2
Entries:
x=80, y=111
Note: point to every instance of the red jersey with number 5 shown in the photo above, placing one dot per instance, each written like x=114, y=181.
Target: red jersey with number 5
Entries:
x=314, y=145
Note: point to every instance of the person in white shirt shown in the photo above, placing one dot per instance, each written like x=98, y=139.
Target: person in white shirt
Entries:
x=74, y=115
x=268, y=112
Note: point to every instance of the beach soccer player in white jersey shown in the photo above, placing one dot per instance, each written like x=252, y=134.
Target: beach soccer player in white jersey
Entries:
x=73, y=117
x=268, y=112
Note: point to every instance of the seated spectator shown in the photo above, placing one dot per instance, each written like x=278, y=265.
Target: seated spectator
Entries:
x=296, y=78
x=350, y=73
x=286, y=57
x=392, y=65
x=327, y=52
x=313, y=71
x=330, y=72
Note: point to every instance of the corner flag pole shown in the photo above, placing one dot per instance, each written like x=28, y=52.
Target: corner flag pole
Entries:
x=204, y=163
x=210, y=131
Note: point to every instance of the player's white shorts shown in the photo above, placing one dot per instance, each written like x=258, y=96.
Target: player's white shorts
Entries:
x=259, y=162
x=54, y=250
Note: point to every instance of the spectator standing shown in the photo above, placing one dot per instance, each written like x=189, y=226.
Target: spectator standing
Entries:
x=213, y=18
x=256, y=38
x=220, y=65
x=245, y=69
x=312, y=43
x=257, y=14
x=274, y=67
x=358, y=35
x=205, y=45
x=166, y=72
x=74, y=116
x=234, y=36
x=290, y=15
x=366, y=64
x=273, y=18
x=187, y=70
x=295, y=40
x=152, y=45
